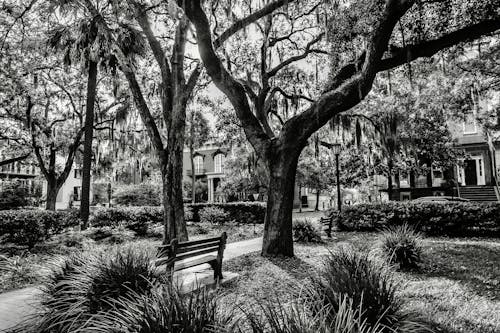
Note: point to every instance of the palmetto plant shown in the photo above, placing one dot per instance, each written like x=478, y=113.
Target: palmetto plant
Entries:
x=83, y=39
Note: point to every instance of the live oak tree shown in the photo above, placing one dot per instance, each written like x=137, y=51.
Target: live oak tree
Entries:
x=365, y=45
x=39, y=100
x=177, y=77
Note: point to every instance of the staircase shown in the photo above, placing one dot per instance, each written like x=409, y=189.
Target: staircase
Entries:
x=479, y=193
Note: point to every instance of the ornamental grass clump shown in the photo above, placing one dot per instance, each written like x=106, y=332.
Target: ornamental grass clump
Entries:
x=402, y=245
x=305, y=231
x=274, y=316
x=164, y=310
x=86, y=284
x=369, y=285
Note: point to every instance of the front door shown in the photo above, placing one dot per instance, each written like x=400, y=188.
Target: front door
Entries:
x=470, y=172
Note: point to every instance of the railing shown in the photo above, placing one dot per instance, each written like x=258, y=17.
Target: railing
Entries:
x=196, y=172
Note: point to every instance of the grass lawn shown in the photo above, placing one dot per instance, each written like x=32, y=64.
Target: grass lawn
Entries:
x=456, y=290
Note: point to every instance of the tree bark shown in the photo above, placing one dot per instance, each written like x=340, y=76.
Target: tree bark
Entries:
x=175, y=226
x=282, y=164
x=52, y=190
x=317, y=200
x=193, y=174
x=87, y=144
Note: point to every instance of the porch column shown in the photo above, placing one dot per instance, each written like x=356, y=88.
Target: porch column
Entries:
x=210, y=190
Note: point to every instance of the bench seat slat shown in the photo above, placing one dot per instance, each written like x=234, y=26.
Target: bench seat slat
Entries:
x=195, y=262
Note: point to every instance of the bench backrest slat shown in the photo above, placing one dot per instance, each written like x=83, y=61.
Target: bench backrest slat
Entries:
x=197, y=253
x=179, y=251
x=190, y=248
x=200, y=241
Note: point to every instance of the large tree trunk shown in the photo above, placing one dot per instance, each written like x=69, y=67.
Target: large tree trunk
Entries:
x=175, y=226
x=278, y=239
x=52, y=190
x=317, y=200
x=193, y=174
x=87, y=145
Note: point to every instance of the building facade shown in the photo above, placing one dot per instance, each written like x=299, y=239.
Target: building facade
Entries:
x=209, y=162
x=475, y=177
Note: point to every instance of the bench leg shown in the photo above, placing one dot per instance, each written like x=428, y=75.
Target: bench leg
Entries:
x=217, y=267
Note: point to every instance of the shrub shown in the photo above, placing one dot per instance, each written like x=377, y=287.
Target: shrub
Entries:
x=29, y=227
x=457, y=219
x=71, y=238
x=305, y=231
x=188, y=213
x=137, y=219
x=368, y=284
x=110, y=235
x=86, y=284
x=138, y=195
x=241, y=212
x=214, y=215
x=13, y=195
x=402, y=245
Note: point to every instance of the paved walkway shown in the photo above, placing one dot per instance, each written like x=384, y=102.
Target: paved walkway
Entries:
x=15, y=305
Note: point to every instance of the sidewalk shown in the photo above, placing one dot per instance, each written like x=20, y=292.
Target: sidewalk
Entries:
x=16, y=304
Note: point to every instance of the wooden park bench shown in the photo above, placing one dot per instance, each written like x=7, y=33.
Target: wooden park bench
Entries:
x=181, y=255
x=326, y=224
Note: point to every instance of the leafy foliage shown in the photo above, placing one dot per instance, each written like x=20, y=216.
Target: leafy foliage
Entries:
x=13, y=195
x=306, y=231
x=460, y=219
x=214, y=215
x=138, y=195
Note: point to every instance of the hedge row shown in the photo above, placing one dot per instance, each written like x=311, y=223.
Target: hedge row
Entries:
x=240, y=212
x=28, y=227
x=454, y=219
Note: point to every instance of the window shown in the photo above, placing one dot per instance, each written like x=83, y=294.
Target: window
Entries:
x=470, y=125
x=78, y=173
x=219, y=163
x=198, y=164
x=77, y=193
x=405, y=196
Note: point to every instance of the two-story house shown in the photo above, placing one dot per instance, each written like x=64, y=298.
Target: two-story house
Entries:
x=475, y=177
x=208, y=168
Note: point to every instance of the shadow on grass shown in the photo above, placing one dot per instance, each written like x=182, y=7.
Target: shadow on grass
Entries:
x=474, y=265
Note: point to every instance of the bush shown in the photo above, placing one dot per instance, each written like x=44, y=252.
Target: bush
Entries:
x=241, y=212
x=137, y=219
x=402, y=245
x=188, y=213
x=368, y=284
x=454, y=219
x=110, y=235
x=86, y=284
x=29, y=227
x=214, y=215
x=305, y=231
x=138, y=195
x=13, y=194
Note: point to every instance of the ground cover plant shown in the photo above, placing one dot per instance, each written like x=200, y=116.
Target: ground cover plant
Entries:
x=455, y=289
